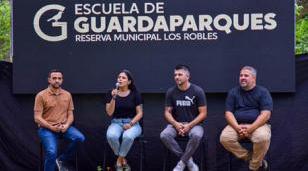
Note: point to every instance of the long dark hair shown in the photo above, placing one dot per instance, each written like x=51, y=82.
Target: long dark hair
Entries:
x=130, y=77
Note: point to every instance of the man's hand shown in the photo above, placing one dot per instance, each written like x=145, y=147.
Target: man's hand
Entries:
x=186, y=128
x=245, y=130
x=242, y=131
x=55, y=128
x=64, y=127
x=179, y=127
x=248, y=130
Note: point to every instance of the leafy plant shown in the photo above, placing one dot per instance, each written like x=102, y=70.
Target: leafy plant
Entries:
x=5, y=29
x=301, y=32
x=302, y=36
x=298, y=9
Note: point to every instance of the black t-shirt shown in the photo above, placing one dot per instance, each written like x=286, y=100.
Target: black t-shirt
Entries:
x=125, y=107
x=247, y=105
x=185, y=103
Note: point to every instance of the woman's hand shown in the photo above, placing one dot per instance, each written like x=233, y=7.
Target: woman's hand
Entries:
x=114, y=93
x=127, y=126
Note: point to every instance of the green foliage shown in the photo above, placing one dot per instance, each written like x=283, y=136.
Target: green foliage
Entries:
x=298, y=10
x=5, y=29
x=302, y=36
x=301, y=32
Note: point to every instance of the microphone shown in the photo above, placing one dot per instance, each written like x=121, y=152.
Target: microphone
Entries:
x=117, y=88
x=117, y=85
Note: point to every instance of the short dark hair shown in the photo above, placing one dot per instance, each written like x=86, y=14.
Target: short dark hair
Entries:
x=182, y=66
x=54, y=70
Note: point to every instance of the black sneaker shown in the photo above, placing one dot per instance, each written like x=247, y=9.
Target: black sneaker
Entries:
x=61, y=166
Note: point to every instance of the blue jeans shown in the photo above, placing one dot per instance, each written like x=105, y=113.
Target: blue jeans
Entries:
x=116, y=130
x=49, y=141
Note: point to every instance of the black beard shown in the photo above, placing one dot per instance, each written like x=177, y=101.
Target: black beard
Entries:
x=55, y=86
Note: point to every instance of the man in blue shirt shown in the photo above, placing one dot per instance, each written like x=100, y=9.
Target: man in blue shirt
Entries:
x=248, y=109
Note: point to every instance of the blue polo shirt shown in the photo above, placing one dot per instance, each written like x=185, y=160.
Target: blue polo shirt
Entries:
x=247, y=105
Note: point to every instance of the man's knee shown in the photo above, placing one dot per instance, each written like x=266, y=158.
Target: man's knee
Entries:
x=196, y=136
x=164, y=135
x=225, y=138
x=261, y=137
x=80, y=138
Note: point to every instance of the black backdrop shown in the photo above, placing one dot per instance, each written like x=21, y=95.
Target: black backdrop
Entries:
x=19, y=143
x=214, y=63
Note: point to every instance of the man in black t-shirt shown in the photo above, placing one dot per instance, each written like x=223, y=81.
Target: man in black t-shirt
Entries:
x=185, y=109
x=248, y=109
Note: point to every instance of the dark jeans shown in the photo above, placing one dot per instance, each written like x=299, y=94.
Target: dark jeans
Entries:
x=49, y=141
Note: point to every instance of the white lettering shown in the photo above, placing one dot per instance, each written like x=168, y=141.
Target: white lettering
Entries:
x=256, y=21
x=271, y=24
x=226, y=26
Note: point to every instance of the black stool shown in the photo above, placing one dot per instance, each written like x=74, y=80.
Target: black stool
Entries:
x=185, y=139
x=246, y=142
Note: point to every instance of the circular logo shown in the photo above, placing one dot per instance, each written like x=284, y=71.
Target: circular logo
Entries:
x=54, y=22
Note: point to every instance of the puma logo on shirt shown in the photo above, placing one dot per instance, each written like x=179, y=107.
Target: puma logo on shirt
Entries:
x=187, y=102
x=190, y=99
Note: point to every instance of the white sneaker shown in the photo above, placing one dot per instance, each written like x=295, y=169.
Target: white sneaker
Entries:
x=192, y=166
x=60, y=165
x=180, y=166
